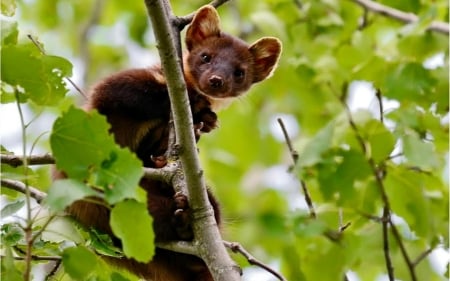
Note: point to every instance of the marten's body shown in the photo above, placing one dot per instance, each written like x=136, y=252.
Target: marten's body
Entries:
x=136, y=104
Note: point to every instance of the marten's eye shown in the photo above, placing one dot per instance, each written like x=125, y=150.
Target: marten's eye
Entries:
x=238, y=73
x=205, y=58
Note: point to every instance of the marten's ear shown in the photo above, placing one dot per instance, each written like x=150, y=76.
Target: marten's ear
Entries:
x=266, y=52
x=205, y=24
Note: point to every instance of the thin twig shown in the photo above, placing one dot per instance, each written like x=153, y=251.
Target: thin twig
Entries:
x=37, y=258
x=29, y=222
x=237, y=248
x=181, y=22
x=379, y=180
x=438, y=26
x=39, y=46
x=422, y=256
x=85, y=54
x=294, y=155
x=386, y=218
x=21, y=187
x=402, y=247
x=380, y=104
x=386, y=249
x=342, y=226
x=52, y=272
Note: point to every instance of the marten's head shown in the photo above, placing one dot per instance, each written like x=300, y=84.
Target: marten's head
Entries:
x=221, y=66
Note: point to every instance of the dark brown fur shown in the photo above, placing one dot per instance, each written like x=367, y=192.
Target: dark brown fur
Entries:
x=136, y=104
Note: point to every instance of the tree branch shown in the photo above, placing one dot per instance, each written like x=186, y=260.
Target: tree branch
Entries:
x=386, y=219
x=37, y=258
x=438, y=26
x=294, y=155
x=237, y=248
x=206, y=232
x=181, y=22
x=164, y=174
x=16, y=160
x=184, y=247
x=422, y=256
x=21, y=187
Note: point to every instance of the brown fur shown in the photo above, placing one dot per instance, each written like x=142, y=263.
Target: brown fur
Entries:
x=136, y=103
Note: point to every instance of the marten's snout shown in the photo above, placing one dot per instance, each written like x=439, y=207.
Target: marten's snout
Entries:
x=216, y=82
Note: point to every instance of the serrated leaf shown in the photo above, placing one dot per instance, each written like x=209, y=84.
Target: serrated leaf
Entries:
x=9, y=32
x=8, y=7
x=64, y=192
x=79, y=141
x=79, y=262
x=418, y=152
x=41, y=79
x=11, y=208
x=408, y=82
x=84, y=150
x=137, y=238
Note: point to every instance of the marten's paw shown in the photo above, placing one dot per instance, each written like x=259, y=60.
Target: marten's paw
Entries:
x=209, y=120
x=181, y=217
x=205, y=119
x=159, y=161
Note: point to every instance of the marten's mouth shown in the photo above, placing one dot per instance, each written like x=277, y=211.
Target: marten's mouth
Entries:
x=217, y=93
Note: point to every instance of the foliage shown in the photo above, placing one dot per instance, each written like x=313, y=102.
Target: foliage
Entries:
x=393, y=142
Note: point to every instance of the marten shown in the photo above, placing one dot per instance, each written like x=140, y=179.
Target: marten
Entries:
x=216, y=67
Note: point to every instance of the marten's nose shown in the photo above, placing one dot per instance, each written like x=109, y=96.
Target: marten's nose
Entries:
x=216, y=82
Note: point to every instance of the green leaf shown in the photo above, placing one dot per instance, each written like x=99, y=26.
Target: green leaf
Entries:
x=406, y=191
x=118, y=183
x=64, y=192
x=9, y=32
x=80, y=142
x=137, y=238
x=338, y=175
x=42, y=78
x=84, y=150
x=11, y=234
x=306, y=227
x=103, y=244
x=418, y=152
x=115, y=276
x=9, y=270
x=381, y=141
x=321, y=142
x=8, y=7
x=408, y=82
x=11, y=208
x=79, y=262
